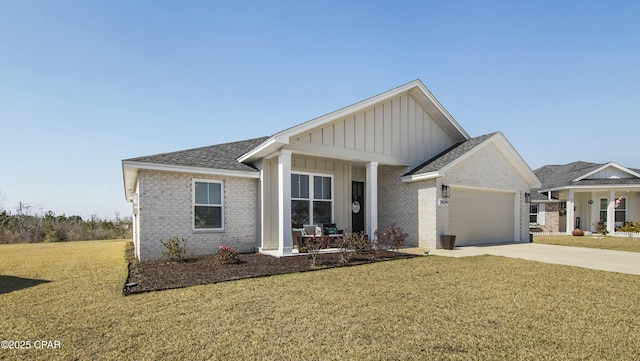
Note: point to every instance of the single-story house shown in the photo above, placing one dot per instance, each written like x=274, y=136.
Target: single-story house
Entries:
x=582, y=194
x=397, y=157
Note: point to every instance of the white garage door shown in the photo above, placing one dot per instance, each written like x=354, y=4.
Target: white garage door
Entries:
x=481, y=217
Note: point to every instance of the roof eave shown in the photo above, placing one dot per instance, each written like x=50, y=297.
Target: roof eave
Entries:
x=267, y=147
x=420, y=177
x=130, y=172
x=610, y=164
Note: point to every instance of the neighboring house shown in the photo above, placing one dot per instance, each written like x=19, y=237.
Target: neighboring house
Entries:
x=581, y=194
x=398, y=157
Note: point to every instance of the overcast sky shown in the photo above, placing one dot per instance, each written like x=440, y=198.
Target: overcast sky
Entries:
x=85, y=84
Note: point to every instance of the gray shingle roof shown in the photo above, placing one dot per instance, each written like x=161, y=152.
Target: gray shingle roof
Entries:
x=449, y=155
x=553, y=176
x=220, y=156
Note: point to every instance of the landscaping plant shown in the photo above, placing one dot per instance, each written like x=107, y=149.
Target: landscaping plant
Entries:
x=227, y=255
x=314, y=245
x=350, y=243
x=392, y=237
x=175, y=248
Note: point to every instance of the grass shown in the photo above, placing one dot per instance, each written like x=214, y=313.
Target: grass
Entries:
x=477, y=308
x=612, y=243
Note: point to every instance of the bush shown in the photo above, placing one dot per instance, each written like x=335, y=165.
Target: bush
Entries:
x=227, y=255
x=351, y=243
x=175, y=248
x=392, y=237
x=601, y=227
x=629, y=227
x=314, y=245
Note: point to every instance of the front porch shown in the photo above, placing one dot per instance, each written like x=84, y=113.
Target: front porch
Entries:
x=306, y=190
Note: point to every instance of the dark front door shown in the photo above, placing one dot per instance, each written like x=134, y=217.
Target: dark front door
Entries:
x=357, y=206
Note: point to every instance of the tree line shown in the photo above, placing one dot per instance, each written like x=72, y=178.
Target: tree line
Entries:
x=23, y=227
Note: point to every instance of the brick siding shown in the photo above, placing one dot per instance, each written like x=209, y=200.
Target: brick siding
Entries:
x=166, y=211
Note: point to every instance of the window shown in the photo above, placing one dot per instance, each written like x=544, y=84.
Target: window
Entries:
x=604, y=203
x=621, y=213
x=311, y=199
x=533, y=213
x=208, y=205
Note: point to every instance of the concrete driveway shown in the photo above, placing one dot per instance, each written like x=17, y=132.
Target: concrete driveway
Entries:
x=599, y=259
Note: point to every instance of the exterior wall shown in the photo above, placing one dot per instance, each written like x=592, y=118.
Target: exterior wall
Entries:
x=398, y=129
x=551, y=218
x=166, y=210
x=410, y=205
x=488, y=168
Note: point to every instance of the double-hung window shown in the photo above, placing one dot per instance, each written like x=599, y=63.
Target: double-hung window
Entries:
x=533, y=213
x=604, y=203
x=208, y=204
x=621, y=213
x=311, y=199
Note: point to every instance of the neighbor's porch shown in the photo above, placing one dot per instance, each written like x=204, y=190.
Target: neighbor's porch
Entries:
x=586, y=208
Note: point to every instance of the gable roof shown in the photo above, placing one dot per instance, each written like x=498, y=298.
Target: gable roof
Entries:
x=220, y=159
x=415, y=88
x=448, y=156
x=219, y=156
x=576, y=174
x=438, y=165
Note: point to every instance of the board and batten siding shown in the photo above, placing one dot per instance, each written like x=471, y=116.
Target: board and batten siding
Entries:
x=269, y=219
x=398, y=129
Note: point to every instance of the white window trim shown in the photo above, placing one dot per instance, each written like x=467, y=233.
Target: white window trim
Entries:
x=311, y=198
x=193, y=205
x=537, y=214
x=621, y=210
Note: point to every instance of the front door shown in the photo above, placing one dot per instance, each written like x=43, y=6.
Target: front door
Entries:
x=357, y=206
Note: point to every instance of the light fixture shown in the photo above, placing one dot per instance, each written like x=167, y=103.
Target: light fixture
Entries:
x=446, y=193
x=527, y=197
x=590, y=201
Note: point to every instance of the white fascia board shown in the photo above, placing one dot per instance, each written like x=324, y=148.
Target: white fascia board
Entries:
x=420, y=177
x=592, y=187
x=267, y=144
x=129, y=179
x=442, y=110
x=186, y=169
x=610, y=164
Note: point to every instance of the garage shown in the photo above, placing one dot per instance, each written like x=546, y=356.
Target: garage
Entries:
x=481, y=216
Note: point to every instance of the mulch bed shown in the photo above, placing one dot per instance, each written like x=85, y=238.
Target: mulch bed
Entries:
x=162, y=274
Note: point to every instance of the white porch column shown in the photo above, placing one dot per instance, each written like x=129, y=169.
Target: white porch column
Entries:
x=284, y=202
x=371, y=199
x=611, y=212
x=571, y=217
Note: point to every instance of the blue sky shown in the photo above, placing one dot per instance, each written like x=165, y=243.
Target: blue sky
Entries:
x=85, y=84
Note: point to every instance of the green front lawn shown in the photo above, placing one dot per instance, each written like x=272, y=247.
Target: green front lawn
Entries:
x=440, y=308
x=595, y=241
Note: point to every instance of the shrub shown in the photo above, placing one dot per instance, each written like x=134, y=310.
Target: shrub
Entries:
x=227, y=255
x=351, y=243
x=314, y=245
x=629, y=227
x=392, y=237
x=601, y=227
x=175, y=248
